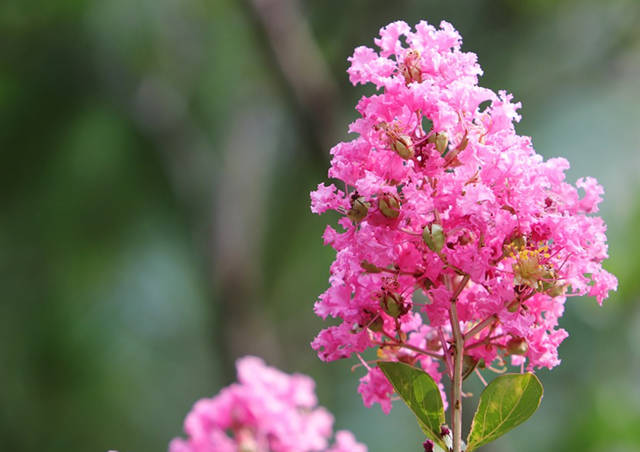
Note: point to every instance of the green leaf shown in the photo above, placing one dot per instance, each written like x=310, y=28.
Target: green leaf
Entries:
x=505, y=403
x=420, y=393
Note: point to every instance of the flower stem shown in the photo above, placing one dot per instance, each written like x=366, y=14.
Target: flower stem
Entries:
x=456, y=382
x=480, y=326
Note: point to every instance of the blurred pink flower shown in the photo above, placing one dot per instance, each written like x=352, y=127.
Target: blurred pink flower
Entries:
x=266, y=411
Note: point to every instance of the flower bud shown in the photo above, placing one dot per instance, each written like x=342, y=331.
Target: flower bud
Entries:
x=376, y=325
x=428, y=446
x=557, y=290
x=434, y=344
x=469, y=364
x=359, y=209
x=403, y=146
x=513, y=306
x=427, y=284
x=410, y=67
x=369, y=267
x=441, y=142
x=393, y=304
x=389, y=205
x=517, y=346
x=433, y=237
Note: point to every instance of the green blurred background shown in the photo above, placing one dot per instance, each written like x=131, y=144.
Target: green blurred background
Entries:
x=157, y=160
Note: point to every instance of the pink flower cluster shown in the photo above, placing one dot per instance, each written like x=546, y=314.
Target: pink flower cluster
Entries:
x=266, y=411
x=439, y=201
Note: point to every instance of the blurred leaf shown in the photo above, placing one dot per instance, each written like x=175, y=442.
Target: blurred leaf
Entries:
x=420, y=393
x=507, y=402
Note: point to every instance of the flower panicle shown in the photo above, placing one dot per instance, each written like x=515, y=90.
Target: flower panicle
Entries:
x=439, y=189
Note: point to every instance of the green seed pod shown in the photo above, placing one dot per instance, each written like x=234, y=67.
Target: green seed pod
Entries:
x=393, y=304
x=403, y=146
x=389, y=205
x=359, y=209
x=517, y=346
x=433, y=237
x=441, y=142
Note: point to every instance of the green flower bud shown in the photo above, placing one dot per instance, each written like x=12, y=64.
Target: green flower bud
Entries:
x=393, y=304
x=433, y=237
x=517, y=346
x=441, y=142
x=513, y=306
x=389, y=205
x=369, y=267
x=469, y=364
x=403, y=146
x=359, y=209
x=427, y=284
x=376, y=325
x=557, y=290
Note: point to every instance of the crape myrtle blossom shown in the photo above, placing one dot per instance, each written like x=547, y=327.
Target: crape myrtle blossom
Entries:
x=265, y=411
x=441, y=201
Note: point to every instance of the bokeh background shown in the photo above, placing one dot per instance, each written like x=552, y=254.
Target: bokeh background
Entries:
x=157, y=157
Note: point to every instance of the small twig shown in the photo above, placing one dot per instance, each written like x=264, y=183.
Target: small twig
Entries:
x=480, y=326
x=459, y=289
x=421, y=350
x=395, y=343
x=484, y=382
x=485, y=341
